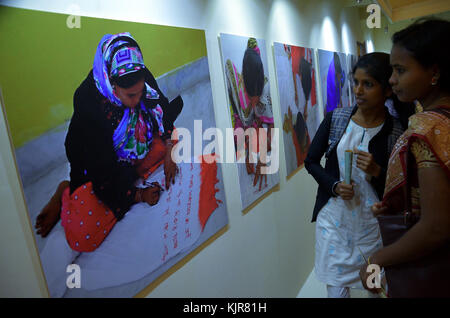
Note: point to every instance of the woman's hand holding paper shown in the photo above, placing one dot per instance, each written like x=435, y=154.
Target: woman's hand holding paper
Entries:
x=366, y=163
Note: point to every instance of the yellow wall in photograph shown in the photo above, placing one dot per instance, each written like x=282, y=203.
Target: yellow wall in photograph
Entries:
x=43, y=61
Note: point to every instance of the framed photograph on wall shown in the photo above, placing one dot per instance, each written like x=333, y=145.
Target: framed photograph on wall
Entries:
x=91, y=111
x=246, y=72
x=334, y=80
x=300, y=111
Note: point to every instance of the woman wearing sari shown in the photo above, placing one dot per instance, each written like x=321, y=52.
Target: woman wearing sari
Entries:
x=420, y=162
x=120, y=132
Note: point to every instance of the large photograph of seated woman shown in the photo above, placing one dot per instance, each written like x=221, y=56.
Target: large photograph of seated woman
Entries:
x=119, y=206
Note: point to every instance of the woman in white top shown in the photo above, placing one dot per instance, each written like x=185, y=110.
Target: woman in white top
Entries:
x=346, y=230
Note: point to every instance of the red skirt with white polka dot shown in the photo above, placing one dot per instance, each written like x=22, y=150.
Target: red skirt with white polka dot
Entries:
x=87, y=221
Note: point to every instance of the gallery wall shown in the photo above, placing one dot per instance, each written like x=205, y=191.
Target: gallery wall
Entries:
x=382, y=37
x=267, y=251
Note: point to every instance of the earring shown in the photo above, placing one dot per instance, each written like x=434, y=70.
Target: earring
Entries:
x=434, y=81
x=419, y=107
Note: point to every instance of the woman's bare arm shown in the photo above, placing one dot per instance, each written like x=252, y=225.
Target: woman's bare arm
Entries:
x=433, y=229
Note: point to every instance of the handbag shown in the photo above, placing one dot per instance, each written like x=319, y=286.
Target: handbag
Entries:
x=424, y=277
x=427, y=276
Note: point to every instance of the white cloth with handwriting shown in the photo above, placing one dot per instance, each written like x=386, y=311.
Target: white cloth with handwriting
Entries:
x=146, y=238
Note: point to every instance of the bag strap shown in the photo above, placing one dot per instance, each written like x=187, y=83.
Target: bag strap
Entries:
x=407, y=190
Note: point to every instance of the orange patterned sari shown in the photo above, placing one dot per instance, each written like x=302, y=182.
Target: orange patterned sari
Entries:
x=424, y=144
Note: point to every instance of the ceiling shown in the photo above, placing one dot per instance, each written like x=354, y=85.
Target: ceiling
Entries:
x=398, y=10
x=401, y=3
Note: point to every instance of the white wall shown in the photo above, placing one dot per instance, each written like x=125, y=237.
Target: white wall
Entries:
x=268, y=252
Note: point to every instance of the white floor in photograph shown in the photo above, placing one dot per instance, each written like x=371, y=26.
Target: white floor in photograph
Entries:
x=313, y=288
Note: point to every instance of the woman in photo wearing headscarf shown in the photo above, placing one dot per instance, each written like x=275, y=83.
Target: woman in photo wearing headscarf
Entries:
x=120, y=132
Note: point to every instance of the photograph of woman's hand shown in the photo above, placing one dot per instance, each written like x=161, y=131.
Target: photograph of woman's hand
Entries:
x=151, y=194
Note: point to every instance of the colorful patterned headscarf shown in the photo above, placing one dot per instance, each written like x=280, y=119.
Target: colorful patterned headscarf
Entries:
x=134, y=134
x=126, y=60
x=252, y=43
